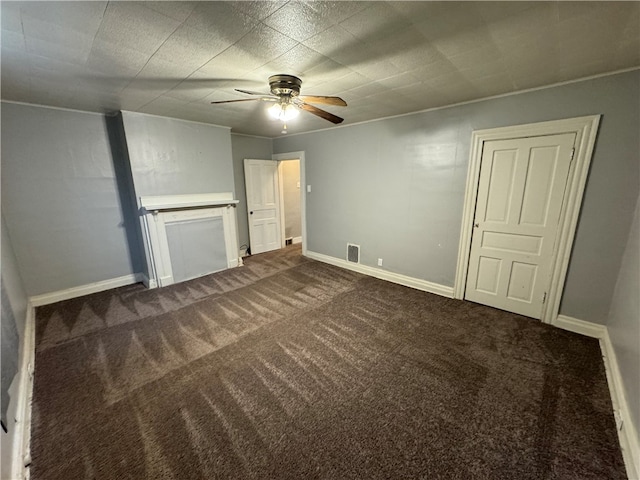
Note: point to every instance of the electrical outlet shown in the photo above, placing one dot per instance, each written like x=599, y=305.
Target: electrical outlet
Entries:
x=308, y=188
x=379, y=262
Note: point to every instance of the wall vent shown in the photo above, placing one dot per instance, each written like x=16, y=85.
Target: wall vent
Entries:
x=353, y=253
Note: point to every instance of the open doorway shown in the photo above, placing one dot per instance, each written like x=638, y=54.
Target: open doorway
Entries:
x=292, y=164
x=276, y=202
x=291, y=202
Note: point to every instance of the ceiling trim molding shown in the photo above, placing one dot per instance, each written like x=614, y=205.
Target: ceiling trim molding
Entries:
x=54, y=107
x=467, y=102
x=503, y=95
x=252, y=136
x=176, y=118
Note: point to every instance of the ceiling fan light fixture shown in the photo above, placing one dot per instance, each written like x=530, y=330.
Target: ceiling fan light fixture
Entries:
x=283, y=112
x=287, y=102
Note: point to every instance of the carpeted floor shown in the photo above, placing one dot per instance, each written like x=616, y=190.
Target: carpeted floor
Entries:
x=287, y=368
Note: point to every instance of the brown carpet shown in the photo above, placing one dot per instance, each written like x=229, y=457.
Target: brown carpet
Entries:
x=287, y=368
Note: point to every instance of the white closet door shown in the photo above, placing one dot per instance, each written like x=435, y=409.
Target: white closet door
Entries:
x=520, y=194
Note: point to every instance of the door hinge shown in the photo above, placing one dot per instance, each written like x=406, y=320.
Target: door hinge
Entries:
x=544, y=298
x=573, y=152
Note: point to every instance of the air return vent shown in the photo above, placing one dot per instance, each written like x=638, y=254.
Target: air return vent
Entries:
x=353, y=253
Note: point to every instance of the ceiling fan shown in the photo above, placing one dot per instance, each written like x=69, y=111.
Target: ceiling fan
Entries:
x=285, y=94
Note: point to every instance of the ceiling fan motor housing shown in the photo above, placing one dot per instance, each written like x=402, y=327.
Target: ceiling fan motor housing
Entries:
x=286, y=85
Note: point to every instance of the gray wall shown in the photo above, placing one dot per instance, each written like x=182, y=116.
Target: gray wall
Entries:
x=246, y=147
x=175, y=157
x=60, y=198
x=396, y=186
x=126, y=190
x=14, y=312
x=291, y=198
x=624, y=319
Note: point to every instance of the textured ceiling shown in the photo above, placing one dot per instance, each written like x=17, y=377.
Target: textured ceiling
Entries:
x=383, y=58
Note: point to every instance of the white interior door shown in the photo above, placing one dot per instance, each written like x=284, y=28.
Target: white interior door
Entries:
x=263, y=204
x=520, y=195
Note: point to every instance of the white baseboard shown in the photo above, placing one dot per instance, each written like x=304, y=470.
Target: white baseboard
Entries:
x=295, y=240
x=627, y=432
x=52, y=297
x=405, y=280
x=588, y=329
x=21, y=448
x=146, y=281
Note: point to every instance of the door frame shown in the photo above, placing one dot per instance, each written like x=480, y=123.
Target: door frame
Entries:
x=280, y=157
x=586, y=129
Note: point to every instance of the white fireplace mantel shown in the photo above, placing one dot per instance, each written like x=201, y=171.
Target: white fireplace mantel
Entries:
x=157, y=212
x=168, y=202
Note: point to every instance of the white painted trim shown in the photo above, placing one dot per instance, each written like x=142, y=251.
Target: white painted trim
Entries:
x=151, y=273
x=164, y=202
x=73, y=292
x=129, y=112
x=283, y=239
x=250, y=136
x=492, y=97
x=148, y=282
x=627, y=433
x=157, y=221
x=299, y=155
x=466, y=102
x=296, y=240
x=575, y=325
x=282, y=205
x=50, y=107
x=377, y=272
x=21, y=448
x=585, y=129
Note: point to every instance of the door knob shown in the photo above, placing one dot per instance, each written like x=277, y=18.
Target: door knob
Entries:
x=250, y=213
x=475, y=224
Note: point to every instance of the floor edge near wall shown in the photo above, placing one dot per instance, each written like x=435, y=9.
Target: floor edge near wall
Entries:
x=81, y=290
x=627, y=432
x=21, y=449
x=627, y=435
x=405, y=280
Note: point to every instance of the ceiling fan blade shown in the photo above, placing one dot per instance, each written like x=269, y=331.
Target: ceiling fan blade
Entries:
x=320, y=113
x=243, y=100
x=249, y=92
x=337, y=101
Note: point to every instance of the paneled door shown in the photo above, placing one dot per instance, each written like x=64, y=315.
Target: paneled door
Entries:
x=520, y=194
x=263, y=204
